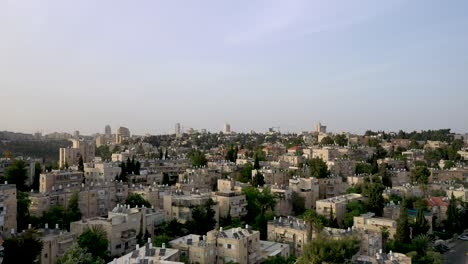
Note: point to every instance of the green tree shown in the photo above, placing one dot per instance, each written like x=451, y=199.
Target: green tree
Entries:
x=280, y=260
x=452, y=224
x=22, y=209
x=421, y=225
x=341, y=140
x=37, y=174
x=330, y=250
x=376, y=201
x=318, y=168
x=55, y=215
x=258, y=204
x=94, y=241
x=258, y=180
x=327, y=141
x=314, y=221
x=420, y=175
x=256, y=165
x=81, y=164
x=373, y=142
x=363, y=168
x=160, y=239
x=231, y=154
x=24, y=248
x=402, y=234
x=123, y=172
x=104, y=152
x=73, y=212
x=246, y=173
x=203, y=218
x=130, y=164
x=16, y=174
x=165, y=179
x=449, y=164
x=298, y=204
x=421, y=244
x=136, y=168
x=78, y=255
x=353, y=208
x=136, y=199
x=197, y=158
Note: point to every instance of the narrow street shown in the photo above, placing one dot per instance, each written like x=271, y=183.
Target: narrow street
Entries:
x=457, y=254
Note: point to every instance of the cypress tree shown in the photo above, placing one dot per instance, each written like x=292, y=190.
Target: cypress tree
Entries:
x=402, y=233
x=421, y=224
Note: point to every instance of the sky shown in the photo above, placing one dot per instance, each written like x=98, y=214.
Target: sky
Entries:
x=148, y=64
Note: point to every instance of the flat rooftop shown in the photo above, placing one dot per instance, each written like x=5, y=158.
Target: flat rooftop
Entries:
x=341, y=198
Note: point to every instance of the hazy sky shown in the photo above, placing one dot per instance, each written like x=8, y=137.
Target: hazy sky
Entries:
x=354, y=65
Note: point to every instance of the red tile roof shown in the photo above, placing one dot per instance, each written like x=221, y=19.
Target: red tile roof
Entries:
x=436, y=201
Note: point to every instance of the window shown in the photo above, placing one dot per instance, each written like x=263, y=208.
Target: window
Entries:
x=118, y=246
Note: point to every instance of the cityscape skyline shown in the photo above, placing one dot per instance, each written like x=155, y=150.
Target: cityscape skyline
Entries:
x=255, y=64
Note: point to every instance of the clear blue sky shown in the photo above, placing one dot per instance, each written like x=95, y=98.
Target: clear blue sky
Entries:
x=353, y=65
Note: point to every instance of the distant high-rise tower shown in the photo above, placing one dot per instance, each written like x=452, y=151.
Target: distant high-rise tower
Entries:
x=320, y=129
x=108, y=131
x=122, y=134
x=76, y=134
x=227, y=128
x=177, y=129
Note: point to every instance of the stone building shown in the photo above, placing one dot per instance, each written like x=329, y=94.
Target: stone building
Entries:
x=8, y=209
x=149, y=254
x=179, y=205
x=236, y=245
x=290, y=230
x=55, y=243
x=230, y=202
x=60, y=179
x=122, y=227
x=336, y=205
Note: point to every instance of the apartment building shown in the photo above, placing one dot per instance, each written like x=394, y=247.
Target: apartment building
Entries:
x=101, y=171
x=122, y=227
x=292, y=160
x=461, y=193
x=326, y=153
x=98, y=199
x=93, y=199
x=342, y=167
x=121, y=134
x=448, y=175
x=149, y=254
x=336, y=205
x=8, y=209
x=236, y=245
x=283, y=198
x=331, y=187
x=384, y=258
x=179, y=205
x=60, y=179
x=230, y=201
x=196, y=248
x=273, y=175
x=154, y=194
x=307, y=188
x=55, y=243
x=438, y=207
x=71, y=155
x=200, y=177
x=369, y=221
x=290, y=230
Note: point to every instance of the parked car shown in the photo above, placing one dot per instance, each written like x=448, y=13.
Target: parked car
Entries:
x=441, y=248
x=463, y=237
